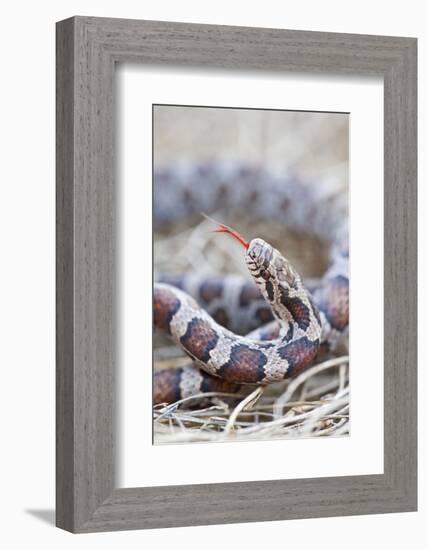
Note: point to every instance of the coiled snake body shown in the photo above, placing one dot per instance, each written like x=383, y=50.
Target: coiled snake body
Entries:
x=302, y=321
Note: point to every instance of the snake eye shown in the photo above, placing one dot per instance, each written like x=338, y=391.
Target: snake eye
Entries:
x=265, y=274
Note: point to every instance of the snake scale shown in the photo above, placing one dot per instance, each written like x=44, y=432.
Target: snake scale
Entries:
x=287, y=321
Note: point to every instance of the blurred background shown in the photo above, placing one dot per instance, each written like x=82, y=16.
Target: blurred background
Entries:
x=310, y=143
x=313, y=146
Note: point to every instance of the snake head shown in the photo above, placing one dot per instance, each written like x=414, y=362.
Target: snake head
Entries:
x=258, y=257
x=265, y=263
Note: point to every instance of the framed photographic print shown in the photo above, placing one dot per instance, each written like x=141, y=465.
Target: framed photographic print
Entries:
x=236, y=274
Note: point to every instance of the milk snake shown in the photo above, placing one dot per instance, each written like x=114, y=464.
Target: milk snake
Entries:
x=291, y=320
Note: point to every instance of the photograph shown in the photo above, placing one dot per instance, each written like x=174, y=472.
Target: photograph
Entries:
x=250, y=271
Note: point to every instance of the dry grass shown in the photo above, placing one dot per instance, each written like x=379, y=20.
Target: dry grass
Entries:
x=314, y=404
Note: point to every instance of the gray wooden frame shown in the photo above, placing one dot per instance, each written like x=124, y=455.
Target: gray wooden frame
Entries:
x=87, y=50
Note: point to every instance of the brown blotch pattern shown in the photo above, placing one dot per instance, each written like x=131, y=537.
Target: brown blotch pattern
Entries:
x=211, y=383
x=210, y=290
x=199, y=339
x=221, y=317
x=264, y=314
x=335, y=302
x=299, y=311
x=249, y=294
x=244, y=366
x=166, y=386
x=298, y=355
x=165, y=306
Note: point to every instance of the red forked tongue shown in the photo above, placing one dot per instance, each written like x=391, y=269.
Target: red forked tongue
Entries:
x=221, y=228
x=226, y=229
